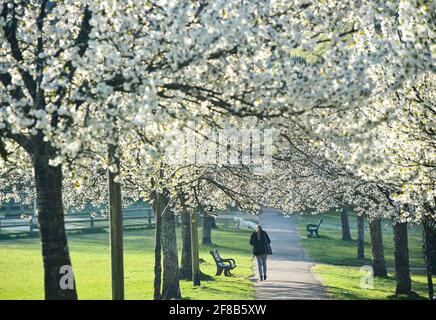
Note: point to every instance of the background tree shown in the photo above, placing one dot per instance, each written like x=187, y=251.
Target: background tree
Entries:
x=360, y=236
x=207, y=230
x=186, y=259
x=378, y=257
x=401, y=252
x=346, y=234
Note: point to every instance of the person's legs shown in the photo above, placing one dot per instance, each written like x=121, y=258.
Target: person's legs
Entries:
x=264, y=258
x=260, y=266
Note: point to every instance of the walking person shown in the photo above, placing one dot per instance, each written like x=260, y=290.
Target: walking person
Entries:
x=261, y=248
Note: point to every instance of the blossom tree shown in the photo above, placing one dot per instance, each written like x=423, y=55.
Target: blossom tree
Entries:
x=317, y=184
x=69, y=70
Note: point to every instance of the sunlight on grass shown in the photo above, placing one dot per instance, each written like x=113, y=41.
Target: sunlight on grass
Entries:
x=339, y=269
x=21, y=273
x=344, y=283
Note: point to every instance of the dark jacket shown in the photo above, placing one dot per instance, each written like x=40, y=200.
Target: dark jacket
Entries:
x=259, y=246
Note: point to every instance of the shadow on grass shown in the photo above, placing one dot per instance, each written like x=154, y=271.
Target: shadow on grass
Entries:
x=412, y=296
x=206, y=277
x=203, y=277
x=325, y=248
x=343, y=294
x=224, y=248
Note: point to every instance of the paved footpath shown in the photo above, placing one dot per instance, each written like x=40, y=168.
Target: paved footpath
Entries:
x=289, y=275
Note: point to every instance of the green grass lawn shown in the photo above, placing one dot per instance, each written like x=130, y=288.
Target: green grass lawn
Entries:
x=339, y=269
x=21, y=273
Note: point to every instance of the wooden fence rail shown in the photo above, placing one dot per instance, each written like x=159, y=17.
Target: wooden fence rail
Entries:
x=74, y=222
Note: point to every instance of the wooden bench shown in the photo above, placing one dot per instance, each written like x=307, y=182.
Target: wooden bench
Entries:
x=313, y=228
x=223, y=264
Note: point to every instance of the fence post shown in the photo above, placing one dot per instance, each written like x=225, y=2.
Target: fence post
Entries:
x=0, y=225
x=31, y=225
x=92, y=221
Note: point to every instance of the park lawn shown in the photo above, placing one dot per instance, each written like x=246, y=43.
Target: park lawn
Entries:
x=343, y=282
x=21, y=273
x=339, y=269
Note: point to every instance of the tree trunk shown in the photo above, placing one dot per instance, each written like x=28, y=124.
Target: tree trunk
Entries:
x=346, y=235
x=433, y=251
x=378, y=259
x=401, y=253
x=186, y=263
x=195, y=250
x=213, y=224
x=428, y=230
x=170, y=284
x=207, y=230
x=157, y=249
x=116, y=230
x=55, y=253
x=360, y=236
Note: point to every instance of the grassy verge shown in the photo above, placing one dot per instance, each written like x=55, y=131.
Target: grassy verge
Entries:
x=344, y=283
x=21, y=273
x=339, y=269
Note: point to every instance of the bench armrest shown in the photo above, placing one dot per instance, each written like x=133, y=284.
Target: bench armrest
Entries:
x=231, y=261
